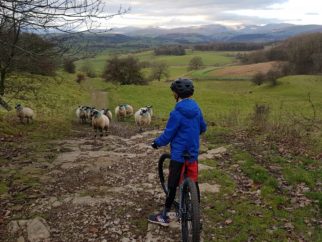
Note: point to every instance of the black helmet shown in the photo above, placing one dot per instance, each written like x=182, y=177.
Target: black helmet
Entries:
x=183, y=87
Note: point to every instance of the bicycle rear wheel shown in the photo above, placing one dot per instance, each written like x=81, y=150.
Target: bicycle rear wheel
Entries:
x=190, y=214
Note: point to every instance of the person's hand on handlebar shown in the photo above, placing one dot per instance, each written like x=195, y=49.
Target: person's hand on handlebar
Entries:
x=154, y=145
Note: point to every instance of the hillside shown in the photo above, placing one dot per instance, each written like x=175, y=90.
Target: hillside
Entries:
x=60, y=183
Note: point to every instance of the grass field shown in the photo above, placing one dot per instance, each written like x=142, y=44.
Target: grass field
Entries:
x=220, y=98
x=177, y=64
x=54, y=103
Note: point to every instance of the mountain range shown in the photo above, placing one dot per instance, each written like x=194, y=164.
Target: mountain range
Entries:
x=215, y=32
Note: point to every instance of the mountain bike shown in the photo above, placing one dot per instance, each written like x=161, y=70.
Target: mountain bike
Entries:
x=187, y=205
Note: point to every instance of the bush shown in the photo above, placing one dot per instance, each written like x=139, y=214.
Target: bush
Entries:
x=124, y=71
x=258, y=78
x=69, y=65
x=270, y=77
x=80, y=77
x=159, y=70
x=260, y=116
x=87, y=68
x=195, y=63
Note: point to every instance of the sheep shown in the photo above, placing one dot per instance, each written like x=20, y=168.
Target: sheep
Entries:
x=78, y=110
x=100, y=122
x=123, y=110
x=142, y=117
x=120, y=112
x=150, y=110
x=107, y=112
x=80, y=114
x=88, y=113
x=24, y=112
x=129, y=110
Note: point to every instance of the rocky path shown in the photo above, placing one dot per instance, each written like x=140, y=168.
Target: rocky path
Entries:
x=98, y=190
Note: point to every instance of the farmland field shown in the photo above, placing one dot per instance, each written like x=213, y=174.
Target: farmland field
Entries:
x=178, y=64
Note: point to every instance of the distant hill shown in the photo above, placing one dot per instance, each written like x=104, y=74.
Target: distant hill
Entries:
x=132, y=38
x=206, y=33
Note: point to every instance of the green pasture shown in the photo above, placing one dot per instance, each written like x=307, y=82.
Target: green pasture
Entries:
x=178, y=64
x=54, y=103
x=223, y=99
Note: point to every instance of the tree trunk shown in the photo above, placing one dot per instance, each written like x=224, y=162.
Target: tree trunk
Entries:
x=2, y=78
x=3, y=103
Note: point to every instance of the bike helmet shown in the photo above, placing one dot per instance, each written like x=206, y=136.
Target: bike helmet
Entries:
x=183, y=87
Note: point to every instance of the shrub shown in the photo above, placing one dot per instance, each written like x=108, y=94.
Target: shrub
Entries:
x=260, y=116
x=159, y=70
x=69, y=65
x=124, y=71
x=258, y=78
x=87, y=68
x=80, y=77
x=195, y=63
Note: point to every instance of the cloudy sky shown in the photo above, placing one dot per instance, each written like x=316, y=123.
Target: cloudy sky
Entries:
x=179, y=13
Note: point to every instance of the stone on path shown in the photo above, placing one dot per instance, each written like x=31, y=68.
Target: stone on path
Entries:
x=218, y=152
x=206, y=187
x=38, y=230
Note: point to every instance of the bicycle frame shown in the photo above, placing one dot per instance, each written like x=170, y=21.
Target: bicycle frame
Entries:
x=180, y=205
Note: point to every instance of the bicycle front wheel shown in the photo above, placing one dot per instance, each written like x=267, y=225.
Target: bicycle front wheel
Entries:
x=163, y=168
x=190, y=214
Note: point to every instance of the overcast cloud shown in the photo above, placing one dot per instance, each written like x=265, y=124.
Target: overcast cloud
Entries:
x=176, y=13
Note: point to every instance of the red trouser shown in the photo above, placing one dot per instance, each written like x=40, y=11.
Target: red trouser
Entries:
x=177, y=172
x=189, y=169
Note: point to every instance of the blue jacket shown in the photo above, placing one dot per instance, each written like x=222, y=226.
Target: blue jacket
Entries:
x=184, y=126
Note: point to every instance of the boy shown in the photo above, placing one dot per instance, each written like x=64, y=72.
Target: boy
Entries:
x=182, y=131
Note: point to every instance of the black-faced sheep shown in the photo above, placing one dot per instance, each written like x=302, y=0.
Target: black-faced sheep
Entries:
x=100, y=122
x=142, y=117
x=24, y=113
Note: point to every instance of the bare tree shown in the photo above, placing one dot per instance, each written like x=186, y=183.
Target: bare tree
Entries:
x=195, y=63
x=159, y=70
x=44, y=17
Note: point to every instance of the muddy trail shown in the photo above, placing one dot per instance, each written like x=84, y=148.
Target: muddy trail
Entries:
x=99, y=189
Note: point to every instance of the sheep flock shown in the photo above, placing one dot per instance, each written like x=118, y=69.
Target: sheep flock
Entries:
x=100, y=119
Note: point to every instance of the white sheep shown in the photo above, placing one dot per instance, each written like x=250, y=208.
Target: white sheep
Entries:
x=24, y=113
x=129, y=110
x=107, y=112
x=142, y=117
x=120, y=112
x=150, y=110
x=88, y=113
x=100, y=122
x=80, y=114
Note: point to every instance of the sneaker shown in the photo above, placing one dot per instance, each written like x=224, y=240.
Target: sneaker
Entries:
x=159, y=219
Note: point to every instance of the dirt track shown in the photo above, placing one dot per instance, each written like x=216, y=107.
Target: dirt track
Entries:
x=97, y=190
